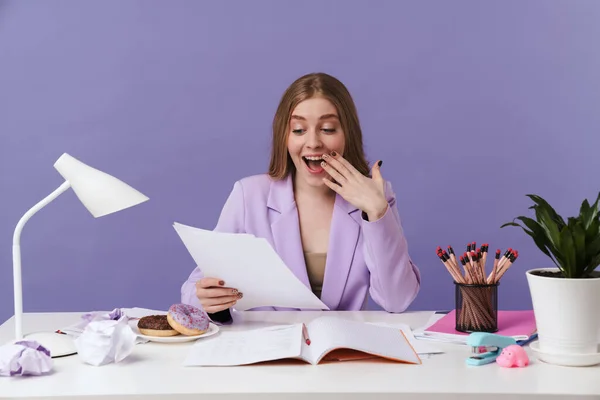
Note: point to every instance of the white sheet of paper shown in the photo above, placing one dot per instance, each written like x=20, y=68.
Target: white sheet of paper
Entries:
x=442, y=338
x=247, y=347
x=250, y=265
x=420, y=347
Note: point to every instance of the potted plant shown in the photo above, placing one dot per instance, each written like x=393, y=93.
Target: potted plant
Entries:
x=565, y=298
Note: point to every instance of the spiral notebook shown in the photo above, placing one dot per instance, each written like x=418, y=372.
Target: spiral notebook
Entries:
x=519, y=324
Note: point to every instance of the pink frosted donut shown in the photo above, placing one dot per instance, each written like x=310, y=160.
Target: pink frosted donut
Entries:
x=187, y=320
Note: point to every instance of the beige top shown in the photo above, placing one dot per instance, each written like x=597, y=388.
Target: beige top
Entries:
x=315, y=266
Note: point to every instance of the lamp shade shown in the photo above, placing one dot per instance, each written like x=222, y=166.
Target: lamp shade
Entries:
x=99, y=192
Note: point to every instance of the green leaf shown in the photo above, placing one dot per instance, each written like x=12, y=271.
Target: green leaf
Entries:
x=589, y=214
x=597, y=201
x=585, y=207
x=538, y=235
x=592, y=248
x=578, y=234
x=592, y=265
x=592, y=232
x=568, y=252
x=585, y=212
x=511, y=224
x=553, y=214
x=542, y=247
x=549, y=225
x=541, y=238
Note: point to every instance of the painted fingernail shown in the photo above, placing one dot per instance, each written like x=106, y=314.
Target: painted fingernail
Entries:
x=333, y=153
x=323, y=163
x=221, y=283
x=240, y=295
x=380, y=162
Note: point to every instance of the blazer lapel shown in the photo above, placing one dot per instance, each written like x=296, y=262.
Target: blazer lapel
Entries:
x=286, y=228
x=343, y=239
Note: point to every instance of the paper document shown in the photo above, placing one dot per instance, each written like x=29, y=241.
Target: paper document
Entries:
x=250, y=265
x=331, y=339
x=420, y=346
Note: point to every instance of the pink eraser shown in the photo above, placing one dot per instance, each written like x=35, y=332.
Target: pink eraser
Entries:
x=513, y=356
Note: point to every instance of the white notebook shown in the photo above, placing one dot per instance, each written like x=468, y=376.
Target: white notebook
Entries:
x=326, y=335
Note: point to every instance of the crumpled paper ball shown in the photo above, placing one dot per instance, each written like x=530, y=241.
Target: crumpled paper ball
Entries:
x=24, y=357
x=114, y=315
x=107, y=338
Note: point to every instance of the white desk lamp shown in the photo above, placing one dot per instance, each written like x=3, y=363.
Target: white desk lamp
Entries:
x=101, y=194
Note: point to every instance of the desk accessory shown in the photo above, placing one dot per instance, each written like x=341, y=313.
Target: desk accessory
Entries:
x=487, y=347
x=566, y=298
x=513, y=356
x=101, y=194
x=476, y=295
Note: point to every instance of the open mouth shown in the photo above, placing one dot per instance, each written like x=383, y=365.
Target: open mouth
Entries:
x=313, y=163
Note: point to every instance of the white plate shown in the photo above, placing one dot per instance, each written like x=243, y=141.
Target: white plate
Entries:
x=568, y=360
x=212, y=329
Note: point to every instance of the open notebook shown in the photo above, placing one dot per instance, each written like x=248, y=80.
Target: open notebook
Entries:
x=327, y=334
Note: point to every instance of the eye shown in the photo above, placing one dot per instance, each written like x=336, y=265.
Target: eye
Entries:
x=328, y=130
x=297, y=131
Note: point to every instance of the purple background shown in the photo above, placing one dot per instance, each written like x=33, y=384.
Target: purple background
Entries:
x=470, y=104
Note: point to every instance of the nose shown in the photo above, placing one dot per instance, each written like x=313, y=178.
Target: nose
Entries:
x=313, y=140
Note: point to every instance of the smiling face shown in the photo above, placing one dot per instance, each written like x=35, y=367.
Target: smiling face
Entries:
x=315, y=115
x=314, y=130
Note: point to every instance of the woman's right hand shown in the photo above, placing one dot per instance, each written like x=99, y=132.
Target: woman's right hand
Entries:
x=214, y=296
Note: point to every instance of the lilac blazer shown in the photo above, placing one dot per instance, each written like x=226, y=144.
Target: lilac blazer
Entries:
x=363, y=257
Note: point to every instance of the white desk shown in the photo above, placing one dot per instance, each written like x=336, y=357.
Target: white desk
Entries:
x=154, y=370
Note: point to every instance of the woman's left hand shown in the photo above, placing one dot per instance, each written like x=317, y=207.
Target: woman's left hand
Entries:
x=367, y=194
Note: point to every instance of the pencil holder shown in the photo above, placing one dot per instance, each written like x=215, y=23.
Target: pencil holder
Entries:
x=476, y=307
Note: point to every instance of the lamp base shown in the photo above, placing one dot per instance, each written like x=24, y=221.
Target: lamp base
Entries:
x=58, y=344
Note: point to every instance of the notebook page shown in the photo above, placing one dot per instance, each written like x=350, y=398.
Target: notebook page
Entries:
x=330, y=333
x=247, y=346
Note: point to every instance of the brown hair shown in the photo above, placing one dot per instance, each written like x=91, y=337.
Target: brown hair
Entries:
x=306, y=87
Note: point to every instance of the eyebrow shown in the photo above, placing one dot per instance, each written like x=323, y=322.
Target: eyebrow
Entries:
x=322, y=117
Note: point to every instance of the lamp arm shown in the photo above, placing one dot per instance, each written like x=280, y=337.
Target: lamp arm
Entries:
x=18, y=288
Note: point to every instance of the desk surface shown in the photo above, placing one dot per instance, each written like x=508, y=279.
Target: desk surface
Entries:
x=156, y=370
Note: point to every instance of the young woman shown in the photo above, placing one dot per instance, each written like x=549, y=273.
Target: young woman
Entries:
x=333, y=222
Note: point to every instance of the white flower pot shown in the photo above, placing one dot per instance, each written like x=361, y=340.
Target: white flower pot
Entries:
x=567, y=313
